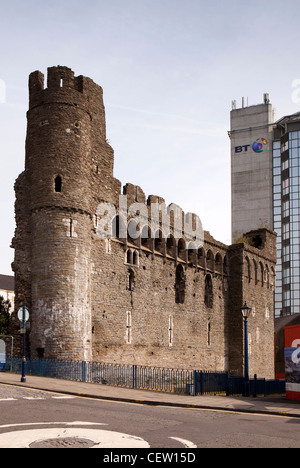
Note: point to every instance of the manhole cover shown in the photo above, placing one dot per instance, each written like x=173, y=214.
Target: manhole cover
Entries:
x=67, y=442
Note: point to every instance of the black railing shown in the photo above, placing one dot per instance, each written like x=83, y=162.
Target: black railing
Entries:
x=192, y=382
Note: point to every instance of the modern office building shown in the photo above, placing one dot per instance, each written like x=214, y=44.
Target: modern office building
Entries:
x=286, y=202
x=265, y=181
x=251, y=167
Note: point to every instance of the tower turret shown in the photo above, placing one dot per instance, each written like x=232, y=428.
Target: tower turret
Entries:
x=68, y=170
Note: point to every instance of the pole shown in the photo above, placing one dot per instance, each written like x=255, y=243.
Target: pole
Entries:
x=23, y=378
x=246, y=358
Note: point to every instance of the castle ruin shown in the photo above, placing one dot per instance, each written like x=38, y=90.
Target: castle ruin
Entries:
x=154, y=298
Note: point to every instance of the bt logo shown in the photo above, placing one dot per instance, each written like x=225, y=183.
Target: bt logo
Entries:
x=257, y=146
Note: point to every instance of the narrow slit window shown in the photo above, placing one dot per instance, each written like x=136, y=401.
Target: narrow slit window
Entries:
x=128, y=328
x=170, y=330
x=71, y=227
x=130, y=280
x=180, y=285
x=58, y=184
x=208, y=295
x=208, y=333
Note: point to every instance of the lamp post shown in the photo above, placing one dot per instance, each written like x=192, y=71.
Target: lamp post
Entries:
x=246, y=311
x=23, y=378
x=23, y=316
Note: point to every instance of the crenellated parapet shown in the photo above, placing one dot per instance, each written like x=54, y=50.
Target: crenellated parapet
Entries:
x=63, y=87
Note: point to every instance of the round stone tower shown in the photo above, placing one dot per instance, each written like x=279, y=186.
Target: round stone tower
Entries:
x=67, y=163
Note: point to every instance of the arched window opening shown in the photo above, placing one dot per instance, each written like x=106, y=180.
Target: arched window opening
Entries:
x=262, y=273
x=192, y=253
x=146, y=238
x=171, y=246
x=210, y=261
x=119, y=228
x=159, y=242
x=116, y=227
x=180, y=285
x=129, y=256
x=201, y=257
x=58, y=184
x=218, y=264
x=248, y=269
x=132, y=257
x=181, y=249
x=133, y=233
x=255, y=271
x=135, y=258
x=208, y=295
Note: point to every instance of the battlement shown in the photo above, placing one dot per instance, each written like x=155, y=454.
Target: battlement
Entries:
x=64, y=86
x=159, y=217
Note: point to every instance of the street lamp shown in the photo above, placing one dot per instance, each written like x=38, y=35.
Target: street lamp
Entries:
x=23, y=316
x=246, y=311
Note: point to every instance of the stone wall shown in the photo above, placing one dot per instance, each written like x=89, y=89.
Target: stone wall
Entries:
x=252, y=280
x=146, y=325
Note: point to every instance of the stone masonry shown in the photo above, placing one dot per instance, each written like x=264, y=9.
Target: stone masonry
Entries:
x=151, y=299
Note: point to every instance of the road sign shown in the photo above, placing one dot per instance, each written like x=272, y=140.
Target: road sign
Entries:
x=20, y=314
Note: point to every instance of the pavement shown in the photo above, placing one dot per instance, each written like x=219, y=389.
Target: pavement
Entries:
x=271, y=405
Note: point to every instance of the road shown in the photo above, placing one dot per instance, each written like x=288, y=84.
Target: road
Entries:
x=39, y=419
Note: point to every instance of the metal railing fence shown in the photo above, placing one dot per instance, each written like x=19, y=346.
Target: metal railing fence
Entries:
x=192, y=382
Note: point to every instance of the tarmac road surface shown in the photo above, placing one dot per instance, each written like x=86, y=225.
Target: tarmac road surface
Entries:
x=40, y=419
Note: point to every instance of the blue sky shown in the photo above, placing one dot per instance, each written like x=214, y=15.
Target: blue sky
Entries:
x=169, y=70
